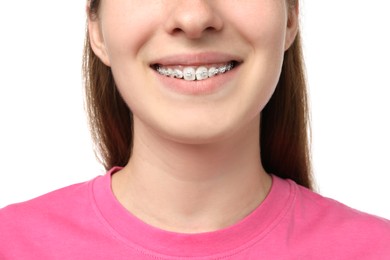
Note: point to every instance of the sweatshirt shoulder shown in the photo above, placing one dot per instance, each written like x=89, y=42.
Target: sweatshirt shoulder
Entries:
x=52, y=198
x=341, y=224
x=34, y=212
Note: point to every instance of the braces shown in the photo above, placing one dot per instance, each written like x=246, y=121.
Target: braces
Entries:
x=191, y=74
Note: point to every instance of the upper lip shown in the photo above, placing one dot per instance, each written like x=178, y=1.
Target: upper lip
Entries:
x=196, y=59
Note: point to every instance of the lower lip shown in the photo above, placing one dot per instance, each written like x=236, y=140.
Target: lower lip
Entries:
x=198, y=87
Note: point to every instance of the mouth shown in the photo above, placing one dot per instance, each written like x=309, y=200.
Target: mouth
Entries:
x=194, y=73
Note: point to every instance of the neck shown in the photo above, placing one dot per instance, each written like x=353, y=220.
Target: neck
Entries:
x=192, y=188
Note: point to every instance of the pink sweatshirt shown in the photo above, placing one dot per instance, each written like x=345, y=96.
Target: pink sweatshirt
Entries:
x=85, y=221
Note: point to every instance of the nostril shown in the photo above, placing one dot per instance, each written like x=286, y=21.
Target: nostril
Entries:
x=177, y=30
x=192, y=31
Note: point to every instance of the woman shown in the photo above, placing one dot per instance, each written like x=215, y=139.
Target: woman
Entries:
x=199, y=112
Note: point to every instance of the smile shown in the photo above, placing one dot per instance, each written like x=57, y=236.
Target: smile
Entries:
x=192, y=73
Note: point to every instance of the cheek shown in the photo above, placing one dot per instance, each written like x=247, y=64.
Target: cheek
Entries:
x=265, y=31
x=264, y=23
x=126, y=32
x=126, y=28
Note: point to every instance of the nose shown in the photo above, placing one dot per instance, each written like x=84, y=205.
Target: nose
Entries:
x=193, y=18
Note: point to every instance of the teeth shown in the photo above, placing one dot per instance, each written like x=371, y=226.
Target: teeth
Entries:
x=191, y=73
x=178, y=74
x=170, y=72
x=212, y=72
x=202, y=73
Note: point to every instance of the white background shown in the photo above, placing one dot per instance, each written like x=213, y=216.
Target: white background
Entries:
x=44, y=138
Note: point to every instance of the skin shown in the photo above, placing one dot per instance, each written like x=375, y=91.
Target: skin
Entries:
x=196, y=160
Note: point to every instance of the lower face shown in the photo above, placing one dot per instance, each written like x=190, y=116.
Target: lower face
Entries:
x=195, y=73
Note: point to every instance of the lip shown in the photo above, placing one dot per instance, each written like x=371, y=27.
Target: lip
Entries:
x=196, y=59
x=202, y=87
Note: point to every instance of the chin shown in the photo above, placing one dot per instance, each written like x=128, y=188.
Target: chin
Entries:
x=193, y=136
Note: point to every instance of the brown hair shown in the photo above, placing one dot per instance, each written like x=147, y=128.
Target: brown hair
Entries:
x=284, y=135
